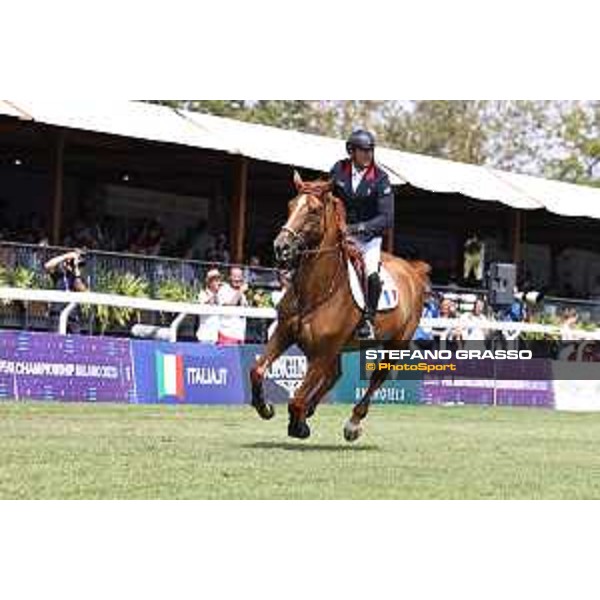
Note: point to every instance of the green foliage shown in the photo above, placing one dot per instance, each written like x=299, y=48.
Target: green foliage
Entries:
x=559, y=139
x=580, y=132
x=442, y=128
x=175, y=291
x=122, y=284
x=542, y=319
x=259, y=298
x=19, y=277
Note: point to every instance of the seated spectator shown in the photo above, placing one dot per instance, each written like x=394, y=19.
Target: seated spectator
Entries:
x=219, y=253
x=472, y=329
x=208, y=325
x=233, y=328
x=252, y=274
x=200, y=241
x=430, y=311
x=568, y=324
x=448, y=311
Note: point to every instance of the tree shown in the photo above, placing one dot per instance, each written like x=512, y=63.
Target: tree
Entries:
x=559, y=139
x=442, y=128
x=521, y=135
x=580, y=133
x=221, y=108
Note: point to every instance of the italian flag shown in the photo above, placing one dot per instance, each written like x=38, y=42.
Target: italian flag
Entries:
x=169, y=375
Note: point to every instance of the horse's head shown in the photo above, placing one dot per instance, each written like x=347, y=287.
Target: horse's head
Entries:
x=307, y=221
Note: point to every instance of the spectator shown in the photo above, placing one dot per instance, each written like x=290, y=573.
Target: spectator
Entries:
x=208, y=325
x=568, y=324
x=188, y=269
x=448, y=311
x=252, y=274
x=430, y=311
x=517, y=311
x=233, y=328
x=472, y=329
x=65, y=272
x=219, y=253
x=200, y=241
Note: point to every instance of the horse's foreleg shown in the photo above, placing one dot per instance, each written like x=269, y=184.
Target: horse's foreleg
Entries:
x=279, y=342
x=318, y=379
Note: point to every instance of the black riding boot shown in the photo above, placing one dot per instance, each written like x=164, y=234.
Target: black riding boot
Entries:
x=366, y=330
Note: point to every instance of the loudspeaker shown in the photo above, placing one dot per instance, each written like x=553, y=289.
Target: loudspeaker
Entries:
x=502, y=280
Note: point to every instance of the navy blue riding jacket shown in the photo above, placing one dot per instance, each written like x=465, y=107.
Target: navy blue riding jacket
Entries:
x=372, y=205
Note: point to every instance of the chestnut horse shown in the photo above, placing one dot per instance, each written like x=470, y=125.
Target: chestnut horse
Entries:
x=318, y=312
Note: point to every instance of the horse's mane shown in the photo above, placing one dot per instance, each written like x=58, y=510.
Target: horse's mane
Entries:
x=322, y=189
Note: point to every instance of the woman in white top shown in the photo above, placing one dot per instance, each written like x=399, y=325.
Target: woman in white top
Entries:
x=208, y=328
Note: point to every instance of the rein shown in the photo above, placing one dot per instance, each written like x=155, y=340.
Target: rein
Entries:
x=339, y=246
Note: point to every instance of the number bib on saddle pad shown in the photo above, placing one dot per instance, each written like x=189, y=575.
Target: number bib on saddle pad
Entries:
x=389, y=292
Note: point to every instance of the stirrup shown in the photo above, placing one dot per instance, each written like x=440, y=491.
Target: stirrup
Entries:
x=365, y=329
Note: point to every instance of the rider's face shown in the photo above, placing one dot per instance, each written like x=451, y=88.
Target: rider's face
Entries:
x=362, y=158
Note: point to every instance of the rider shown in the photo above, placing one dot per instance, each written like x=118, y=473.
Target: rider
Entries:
x=367, y=194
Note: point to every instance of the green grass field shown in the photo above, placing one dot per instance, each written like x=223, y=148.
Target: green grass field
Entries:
x=52, y=450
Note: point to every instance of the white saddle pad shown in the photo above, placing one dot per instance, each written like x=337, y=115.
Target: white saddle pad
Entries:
x=389, y=292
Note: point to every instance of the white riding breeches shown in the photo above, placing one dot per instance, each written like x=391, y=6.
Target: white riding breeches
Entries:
x=371, y=253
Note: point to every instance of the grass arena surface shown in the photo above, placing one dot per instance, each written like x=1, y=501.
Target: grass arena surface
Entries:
x=55, y=450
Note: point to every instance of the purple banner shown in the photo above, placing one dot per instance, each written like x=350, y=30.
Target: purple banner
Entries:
x=489, y=392
x=42, y=366
x=458, y=391
x=8, y=344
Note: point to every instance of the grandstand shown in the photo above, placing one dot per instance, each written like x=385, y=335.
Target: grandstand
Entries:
x=139, y=178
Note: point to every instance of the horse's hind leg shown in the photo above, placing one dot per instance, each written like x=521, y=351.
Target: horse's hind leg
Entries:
x=279, y=342
x=353, y=427
x=328, y=382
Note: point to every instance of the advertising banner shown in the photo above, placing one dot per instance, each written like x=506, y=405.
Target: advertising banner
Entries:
x=8, y=344
x=41, y=366
x=350, y=388
x=282, y=378
x=187, y=373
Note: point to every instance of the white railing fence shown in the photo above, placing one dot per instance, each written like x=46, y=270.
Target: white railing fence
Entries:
x=439, y=328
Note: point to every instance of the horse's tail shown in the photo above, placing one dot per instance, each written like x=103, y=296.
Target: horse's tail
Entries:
x=422, y=270
x=421, y=267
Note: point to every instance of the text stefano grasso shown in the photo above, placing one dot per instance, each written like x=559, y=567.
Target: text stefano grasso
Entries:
x=381, y=354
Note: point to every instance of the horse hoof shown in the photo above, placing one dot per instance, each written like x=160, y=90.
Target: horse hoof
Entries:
x=265, y=411
x=299, y=429
x=352, y=431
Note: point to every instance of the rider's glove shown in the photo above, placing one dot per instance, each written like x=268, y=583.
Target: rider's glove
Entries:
x=357, y=229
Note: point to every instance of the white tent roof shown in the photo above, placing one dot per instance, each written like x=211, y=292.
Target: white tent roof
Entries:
x=160, y=123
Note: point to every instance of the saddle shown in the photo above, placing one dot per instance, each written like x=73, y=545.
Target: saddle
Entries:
x=358, y=281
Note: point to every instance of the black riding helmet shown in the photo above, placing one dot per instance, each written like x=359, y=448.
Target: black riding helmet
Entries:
x=360, y=138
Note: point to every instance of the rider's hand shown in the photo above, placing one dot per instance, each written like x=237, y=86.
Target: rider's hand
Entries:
x=356, y=229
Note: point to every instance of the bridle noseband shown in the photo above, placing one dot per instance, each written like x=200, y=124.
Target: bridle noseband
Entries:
x=295, y=234
x=299, y=236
